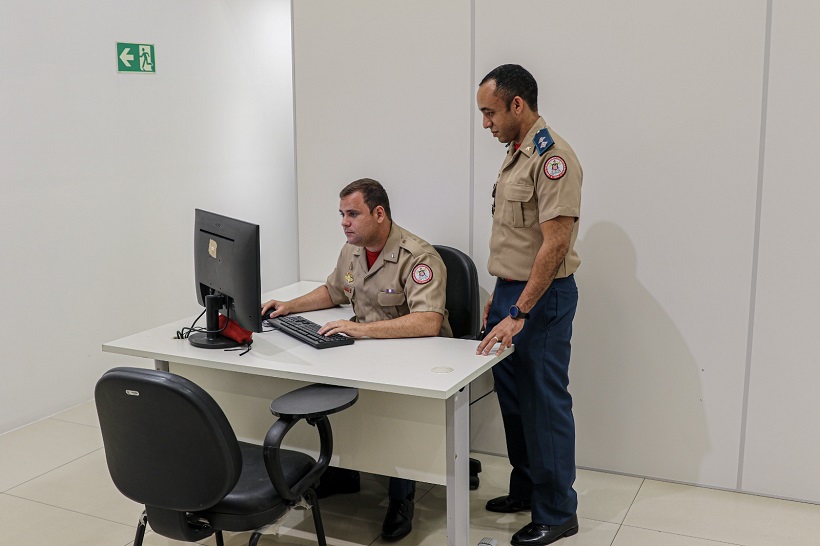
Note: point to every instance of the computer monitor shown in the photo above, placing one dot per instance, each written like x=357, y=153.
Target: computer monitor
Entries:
x=226, y=270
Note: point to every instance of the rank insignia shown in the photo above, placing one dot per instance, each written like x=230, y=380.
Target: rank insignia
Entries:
x=349, y=277
x=555, y=167
x=543, y=141
x=422, y=274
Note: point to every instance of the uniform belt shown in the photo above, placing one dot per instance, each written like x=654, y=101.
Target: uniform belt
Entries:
x=557, y=280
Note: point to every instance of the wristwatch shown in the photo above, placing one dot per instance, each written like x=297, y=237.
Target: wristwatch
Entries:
x=517, y=313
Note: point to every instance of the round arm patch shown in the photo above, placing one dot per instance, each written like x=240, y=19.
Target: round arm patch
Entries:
x=422, y=274
x=555, y=167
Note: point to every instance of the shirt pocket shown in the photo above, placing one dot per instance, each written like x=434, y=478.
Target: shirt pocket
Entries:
x=522, y=205
x=391, y=304
x=391, y=299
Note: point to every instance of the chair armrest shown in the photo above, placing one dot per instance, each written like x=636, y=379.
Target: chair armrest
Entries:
x=312, y=403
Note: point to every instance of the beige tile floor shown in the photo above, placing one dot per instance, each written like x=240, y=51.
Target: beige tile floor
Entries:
x=55, y=489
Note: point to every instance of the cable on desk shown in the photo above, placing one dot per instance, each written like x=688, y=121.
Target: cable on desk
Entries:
x=186, y=331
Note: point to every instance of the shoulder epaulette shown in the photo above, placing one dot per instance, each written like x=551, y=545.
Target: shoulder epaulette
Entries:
x=412, y=246
x=543, y=141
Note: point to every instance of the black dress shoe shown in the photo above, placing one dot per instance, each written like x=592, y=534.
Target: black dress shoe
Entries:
x=536, y=534
x=338, y=480
x=399, y=520
x=475, y=470
x=507, y=505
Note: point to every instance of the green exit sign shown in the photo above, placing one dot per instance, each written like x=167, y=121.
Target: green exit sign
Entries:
x=136, y=58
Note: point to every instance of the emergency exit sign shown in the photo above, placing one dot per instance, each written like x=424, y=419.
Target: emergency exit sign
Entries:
x=136, y=58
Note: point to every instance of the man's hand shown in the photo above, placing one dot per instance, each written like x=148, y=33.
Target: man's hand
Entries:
x=347, y=327
x=502, y=333
x=313, y=300
x=275, y=308
x=487, y=311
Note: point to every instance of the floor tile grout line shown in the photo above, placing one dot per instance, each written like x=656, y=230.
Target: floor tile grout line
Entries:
x=15, y=486
x=626, y=514
x=64, y=509
x=615, y=536
x=47, y=418
x=74, y=423
x=632, y=503
x=716, y=541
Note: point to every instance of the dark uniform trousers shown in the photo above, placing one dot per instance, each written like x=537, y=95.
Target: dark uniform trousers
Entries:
x=400, y=489
x=535, y=404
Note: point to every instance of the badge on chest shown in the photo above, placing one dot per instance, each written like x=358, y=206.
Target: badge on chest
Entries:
x=348, y=288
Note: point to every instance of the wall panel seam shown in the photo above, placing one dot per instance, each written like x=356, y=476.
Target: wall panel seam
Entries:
x=756, y=245
x=295, y=147
x=471, y=226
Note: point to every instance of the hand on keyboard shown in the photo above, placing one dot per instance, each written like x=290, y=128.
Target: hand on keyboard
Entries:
x=346, y=327
x=308, y=332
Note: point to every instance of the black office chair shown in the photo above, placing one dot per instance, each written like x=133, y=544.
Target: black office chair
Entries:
x=464, y=309
x=463, y=300
x=170, y=447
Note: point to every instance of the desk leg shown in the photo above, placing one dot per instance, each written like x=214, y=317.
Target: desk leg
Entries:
x=161, y=365
x=458, y=469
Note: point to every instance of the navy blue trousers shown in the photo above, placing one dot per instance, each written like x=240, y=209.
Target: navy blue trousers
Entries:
x=535, y=404
x=400, y=489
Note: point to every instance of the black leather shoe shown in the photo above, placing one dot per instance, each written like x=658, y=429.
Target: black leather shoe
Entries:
x=399, y=520
x=536, y=534
x=507, y=505
x=475, y=470
x=338, y=480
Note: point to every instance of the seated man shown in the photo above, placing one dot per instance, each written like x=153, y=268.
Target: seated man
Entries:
x=396, y=283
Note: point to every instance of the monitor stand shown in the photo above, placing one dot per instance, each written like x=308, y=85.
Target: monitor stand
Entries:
x=212, y=339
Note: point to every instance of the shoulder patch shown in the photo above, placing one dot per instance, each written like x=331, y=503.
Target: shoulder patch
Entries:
x=543, y=141
x=422, y=274
x=555, y=167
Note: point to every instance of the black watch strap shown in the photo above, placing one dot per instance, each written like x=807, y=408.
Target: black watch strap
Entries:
x=517, y=313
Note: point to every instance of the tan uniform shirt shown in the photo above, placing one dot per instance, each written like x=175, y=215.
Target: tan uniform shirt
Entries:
x=407, y=277
x=532, y=189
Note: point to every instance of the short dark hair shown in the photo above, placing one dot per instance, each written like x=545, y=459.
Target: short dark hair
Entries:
x=373, y=194
x=512, y=80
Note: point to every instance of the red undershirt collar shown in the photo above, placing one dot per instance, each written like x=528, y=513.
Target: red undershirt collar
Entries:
x=371, y=257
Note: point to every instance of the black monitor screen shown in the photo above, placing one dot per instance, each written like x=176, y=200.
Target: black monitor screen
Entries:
x=226, y=268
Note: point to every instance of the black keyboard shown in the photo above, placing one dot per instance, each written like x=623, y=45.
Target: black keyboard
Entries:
x=307, y=331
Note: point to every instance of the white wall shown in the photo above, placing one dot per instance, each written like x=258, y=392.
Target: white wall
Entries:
x=673, y=376
x=101, y=173
x=379, y=93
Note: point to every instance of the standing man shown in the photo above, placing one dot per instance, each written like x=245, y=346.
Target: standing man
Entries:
x=397, y=285
x=536, y=206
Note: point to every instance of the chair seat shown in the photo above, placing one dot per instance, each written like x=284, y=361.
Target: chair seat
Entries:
x=244, y=508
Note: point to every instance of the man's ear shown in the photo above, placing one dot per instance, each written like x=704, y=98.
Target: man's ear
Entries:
x=380, y=213
x=517, y=104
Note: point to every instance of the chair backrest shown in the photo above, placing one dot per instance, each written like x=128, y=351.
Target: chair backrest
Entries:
x=167, y=442
x=463, y=305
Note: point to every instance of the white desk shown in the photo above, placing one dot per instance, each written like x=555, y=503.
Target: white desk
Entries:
x=412, y=417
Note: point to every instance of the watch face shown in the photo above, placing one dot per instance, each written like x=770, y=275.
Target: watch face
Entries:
x=515, y=311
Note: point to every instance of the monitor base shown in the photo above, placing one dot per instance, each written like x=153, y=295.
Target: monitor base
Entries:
x=206, y=341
